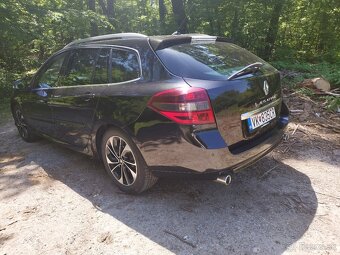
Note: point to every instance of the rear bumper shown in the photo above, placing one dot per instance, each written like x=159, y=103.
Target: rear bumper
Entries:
x=183, y=157
x=168, y=152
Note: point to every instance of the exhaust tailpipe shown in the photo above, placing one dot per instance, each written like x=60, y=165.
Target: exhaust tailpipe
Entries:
x=226, y=180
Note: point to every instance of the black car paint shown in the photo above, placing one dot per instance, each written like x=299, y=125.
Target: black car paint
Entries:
x=230, y=99
x=78, y=116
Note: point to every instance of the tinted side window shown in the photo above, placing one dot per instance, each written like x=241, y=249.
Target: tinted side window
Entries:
x=80, y=67
x=125, y=65
x=50, y=77
x=101, y=69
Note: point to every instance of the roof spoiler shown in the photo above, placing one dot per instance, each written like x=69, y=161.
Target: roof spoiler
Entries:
x=162, y=42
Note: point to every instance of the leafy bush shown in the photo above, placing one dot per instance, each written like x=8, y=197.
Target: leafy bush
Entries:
x=6, y=83
x=303, y=70
x=332, y=103
x=5, y=111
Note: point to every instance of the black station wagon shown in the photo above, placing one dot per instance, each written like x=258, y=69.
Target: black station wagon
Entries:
x=180, y=105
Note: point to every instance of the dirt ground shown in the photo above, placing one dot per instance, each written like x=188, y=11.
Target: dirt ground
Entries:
x=56, y=201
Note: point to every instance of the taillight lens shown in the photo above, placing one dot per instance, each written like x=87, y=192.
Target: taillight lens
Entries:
x=187, y=106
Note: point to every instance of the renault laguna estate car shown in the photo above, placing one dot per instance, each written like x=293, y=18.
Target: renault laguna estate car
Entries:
x=148, y=107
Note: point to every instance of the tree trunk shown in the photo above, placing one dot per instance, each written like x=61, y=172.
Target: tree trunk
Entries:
x=211, y=24
x=316, y=83
x=273, y=29
x=108, y=8
x=162, y=13
x=180, y=16
x=94, y=28
x=143, y=6
x=103, y=6
x=235, y=26
x=111, y=11
x=323, y=29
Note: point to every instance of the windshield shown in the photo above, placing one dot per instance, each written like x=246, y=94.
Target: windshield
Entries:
x=211, y=61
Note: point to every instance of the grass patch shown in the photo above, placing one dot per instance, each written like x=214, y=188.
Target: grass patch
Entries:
x=332, y=103
x=296, y=72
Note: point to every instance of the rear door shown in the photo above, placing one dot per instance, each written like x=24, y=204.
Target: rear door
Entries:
x=74, y=102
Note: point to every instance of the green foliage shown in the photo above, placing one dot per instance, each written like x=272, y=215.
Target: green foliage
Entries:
x=332, y=103
x=293, y=81
x=305, y=91
x=293, y=33
x=6, y=83
x=301, y=71
x=5, y=111
x=330, y=72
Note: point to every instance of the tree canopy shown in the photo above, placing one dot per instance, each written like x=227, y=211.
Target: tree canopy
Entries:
x=306, y=30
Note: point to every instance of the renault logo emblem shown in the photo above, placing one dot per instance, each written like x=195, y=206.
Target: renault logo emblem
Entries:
x=266, y=88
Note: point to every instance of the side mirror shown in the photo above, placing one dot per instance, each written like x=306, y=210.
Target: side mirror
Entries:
x=19, y=84
x=23, y=83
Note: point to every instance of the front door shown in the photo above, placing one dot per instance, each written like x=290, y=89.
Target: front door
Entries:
x=74, y=102
x=36, y=104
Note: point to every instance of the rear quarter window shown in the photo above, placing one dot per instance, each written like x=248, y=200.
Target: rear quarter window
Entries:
x=211, y=61
x=125, y=65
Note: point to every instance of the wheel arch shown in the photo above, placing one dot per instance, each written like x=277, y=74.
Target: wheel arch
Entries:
x=98, y=133
x=14, y=103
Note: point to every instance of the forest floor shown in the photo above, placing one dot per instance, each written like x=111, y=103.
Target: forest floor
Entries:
x=56, y=201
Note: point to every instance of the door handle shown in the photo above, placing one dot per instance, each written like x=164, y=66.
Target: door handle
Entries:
x=43, y=101
x=88, y=96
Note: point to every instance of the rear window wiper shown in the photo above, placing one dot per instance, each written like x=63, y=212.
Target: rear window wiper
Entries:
x=252, y=68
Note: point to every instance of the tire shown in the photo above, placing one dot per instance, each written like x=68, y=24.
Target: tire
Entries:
x=24, y=130
x=124, y=163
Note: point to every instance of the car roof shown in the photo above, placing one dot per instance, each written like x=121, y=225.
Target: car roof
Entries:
x=105, y=39
x=157, y=42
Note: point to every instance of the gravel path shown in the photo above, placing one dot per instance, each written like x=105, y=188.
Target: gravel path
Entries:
x=56, y=201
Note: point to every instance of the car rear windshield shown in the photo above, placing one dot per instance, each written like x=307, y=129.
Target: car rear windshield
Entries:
x=211, y=61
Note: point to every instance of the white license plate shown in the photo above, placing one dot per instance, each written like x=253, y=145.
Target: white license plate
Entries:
x=261, y=119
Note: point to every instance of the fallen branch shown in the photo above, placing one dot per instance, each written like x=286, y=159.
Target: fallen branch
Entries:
x=304, y=131
x=327, y=195
x=296, y=128
x=288, y=147
x=182, y=239
x=271, y=169
x=327, y=93
x=335, y=129
x=307, y=98
x=295, y=111
x=12, y=222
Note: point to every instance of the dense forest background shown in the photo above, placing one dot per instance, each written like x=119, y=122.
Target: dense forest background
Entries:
x=297, y=34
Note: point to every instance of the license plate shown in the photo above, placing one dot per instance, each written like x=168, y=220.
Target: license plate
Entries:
x=261, y=119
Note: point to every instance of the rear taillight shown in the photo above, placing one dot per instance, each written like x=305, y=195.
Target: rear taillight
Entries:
x=187, y=106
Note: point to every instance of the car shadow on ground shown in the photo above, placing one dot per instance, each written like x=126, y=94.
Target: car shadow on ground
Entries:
x=265, y=210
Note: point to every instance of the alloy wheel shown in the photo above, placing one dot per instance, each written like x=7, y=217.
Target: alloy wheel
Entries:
x=121, y=160
x=20, y=123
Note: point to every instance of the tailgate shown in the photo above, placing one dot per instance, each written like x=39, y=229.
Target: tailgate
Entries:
x=236, y=102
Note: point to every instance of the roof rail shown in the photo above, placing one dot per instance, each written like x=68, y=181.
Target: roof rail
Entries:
x=106, y=37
